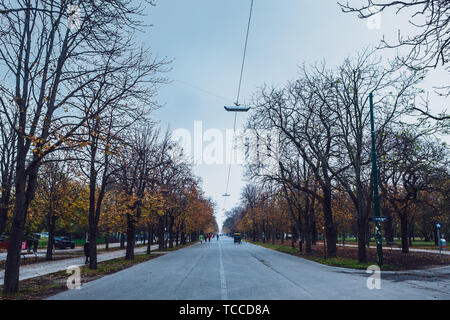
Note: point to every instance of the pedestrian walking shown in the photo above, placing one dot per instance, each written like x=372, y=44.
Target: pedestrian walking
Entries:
x=201, y=238
x=29, y=244
x=209, y=238
x=35, y=245
x=86, y=252
x=217, y=236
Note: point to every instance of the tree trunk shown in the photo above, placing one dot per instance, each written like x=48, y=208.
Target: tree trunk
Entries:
x=362, y=229
x=307, y=234
x=4, y=202
x=171, y=222
x=300, y=243
x=161, y=233
x=122, y=240
x=3, y=216
x=314, y=233
x=404, y=231
x=11, y=280
x=388, y=228
x=51, y=236
x=330, y=229
x=92, y=247
x=293, y=240
x=107, y=241
x=131, y=238
x=150, y=238
x=263, y=235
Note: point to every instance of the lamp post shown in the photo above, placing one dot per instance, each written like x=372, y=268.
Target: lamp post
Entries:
x=376, y=198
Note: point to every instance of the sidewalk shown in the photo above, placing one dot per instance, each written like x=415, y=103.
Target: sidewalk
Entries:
x=43, y=268
x=399, y=249
x=42, y=251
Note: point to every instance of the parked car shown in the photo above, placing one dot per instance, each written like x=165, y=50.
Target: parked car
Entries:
x=63, y=242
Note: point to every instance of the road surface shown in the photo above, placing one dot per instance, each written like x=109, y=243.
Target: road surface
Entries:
x=223, y=270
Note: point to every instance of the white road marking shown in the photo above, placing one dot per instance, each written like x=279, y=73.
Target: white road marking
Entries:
x=223, y=282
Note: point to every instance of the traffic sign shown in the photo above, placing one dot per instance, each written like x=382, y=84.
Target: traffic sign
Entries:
x=438, y=225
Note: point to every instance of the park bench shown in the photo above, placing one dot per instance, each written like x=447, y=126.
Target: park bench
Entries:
x=25, y=254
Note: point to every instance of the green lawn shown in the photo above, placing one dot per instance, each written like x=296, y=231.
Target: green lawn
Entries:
x=398, y=242
x=335, y=262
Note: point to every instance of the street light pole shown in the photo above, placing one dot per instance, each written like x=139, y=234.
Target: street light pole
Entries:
x=376, y=197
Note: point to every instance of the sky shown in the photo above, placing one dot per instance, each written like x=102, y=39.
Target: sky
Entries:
x=205, y=39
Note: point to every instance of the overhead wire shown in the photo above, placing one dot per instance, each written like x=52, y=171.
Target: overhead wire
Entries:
x=237, y=101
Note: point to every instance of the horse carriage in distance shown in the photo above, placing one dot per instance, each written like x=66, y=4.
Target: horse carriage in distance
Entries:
x=237, y=237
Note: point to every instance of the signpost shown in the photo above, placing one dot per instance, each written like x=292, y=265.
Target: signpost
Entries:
x=376, y=198
x=438, y=229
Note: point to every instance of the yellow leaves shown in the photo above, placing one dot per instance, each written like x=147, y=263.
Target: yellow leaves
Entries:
x=84, y=144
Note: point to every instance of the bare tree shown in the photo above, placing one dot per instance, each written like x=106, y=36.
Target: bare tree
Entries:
x=7, y=166
x=427, y=48
x=351, y=85
x=49, y=64
x=53, y=185
x=308, y=125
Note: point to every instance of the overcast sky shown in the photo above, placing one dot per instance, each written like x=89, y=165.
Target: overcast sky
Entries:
x=206, y=38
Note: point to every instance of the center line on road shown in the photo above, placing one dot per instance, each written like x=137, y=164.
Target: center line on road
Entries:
x=223, y=282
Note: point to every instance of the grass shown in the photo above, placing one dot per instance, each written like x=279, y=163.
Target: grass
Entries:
x=335, y=262
x=398, y=242
x=348, y=263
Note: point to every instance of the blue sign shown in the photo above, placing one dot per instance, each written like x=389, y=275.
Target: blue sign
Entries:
x=378, y=219
x=438, y=225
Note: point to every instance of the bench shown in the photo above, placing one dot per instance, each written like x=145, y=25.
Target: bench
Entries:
x=25, y=254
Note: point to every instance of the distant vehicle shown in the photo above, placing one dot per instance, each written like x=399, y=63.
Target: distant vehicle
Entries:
x=63, y=242
x=43, y=234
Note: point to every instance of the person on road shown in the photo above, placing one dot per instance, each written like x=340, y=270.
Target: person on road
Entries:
x=217, y=235
x=209, y=238
x=86, y=252
x=201, y=238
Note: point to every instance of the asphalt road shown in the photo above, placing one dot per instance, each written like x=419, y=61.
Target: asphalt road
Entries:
x=222, y=270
